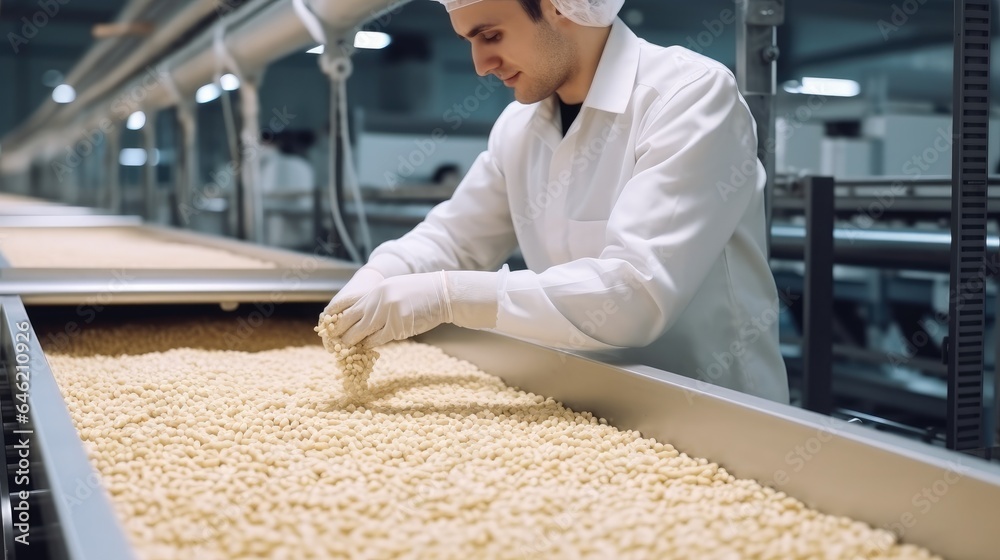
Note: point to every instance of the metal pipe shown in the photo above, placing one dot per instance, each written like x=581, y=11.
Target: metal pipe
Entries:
x=882, y=248
x=890, y=180
x=269, y=31
x=113, y=198
x=756, y=73
x=189, y=166
x=149, y=170
x=253, y=200
x=33, y=136
x=83, y=69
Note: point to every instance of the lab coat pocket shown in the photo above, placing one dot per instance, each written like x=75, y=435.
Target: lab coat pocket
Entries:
x=586, y=239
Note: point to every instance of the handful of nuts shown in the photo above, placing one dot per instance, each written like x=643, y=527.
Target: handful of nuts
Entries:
x=356, y=362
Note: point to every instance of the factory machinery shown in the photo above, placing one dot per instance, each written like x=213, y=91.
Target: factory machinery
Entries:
x=51, y=496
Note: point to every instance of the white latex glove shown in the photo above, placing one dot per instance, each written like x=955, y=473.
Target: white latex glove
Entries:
x=405, y=306
x=363, y=281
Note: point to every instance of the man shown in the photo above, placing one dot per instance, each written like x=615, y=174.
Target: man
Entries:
x=627, y=174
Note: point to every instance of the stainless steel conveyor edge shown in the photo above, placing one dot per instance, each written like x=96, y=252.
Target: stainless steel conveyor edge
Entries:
x=49, y=210
x=67, y=221
x=113, y=287
x=947, y=502
x=85, y=517
x=300, y=277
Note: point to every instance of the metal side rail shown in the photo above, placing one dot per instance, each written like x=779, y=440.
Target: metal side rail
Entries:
x=948, y=502
x=297, y=277
x=52, y=495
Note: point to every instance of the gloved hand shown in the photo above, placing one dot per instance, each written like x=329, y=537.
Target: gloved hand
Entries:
x=363, y=281
x=405, y=306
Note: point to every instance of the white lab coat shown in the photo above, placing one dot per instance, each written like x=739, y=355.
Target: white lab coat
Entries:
x=643, y=227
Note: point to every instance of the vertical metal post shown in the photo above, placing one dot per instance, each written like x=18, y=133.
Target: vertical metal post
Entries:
x=188, y=167
x=756, y=73
x=994, y=452
x=149, y=190
x=113, y=196
x=817, y=342
x=253, y=198
x=970, y=171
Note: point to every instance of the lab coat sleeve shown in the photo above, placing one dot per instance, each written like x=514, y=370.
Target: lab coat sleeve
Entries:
x=471, y=231
x=671, y=222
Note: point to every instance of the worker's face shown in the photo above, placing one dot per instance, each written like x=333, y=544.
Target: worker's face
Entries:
x=533, y=58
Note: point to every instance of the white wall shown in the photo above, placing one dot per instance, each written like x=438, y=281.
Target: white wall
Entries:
x=918, y=145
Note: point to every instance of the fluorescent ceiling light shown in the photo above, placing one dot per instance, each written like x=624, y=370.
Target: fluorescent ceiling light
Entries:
x=371, y=40
x=831, y=87
x=207, y=92
x=136, y=157
x=229, y=82
x=64, y=93
x=136, y=121
x=363, y=40
x=132, y=157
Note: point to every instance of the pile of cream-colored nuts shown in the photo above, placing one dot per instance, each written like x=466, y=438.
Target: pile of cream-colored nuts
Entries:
x=114, y=247
x=253, y=452
x=356, y=362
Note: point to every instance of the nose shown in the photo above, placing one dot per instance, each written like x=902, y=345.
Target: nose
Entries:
x=484, y=59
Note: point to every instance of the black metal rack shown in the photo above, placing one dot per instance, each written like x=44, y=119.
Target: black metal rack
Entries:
x=970, y=171
x=969, y=268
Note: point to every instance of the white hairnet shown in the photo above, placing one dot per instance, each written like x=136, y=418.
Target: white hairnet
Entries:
x=592, y=13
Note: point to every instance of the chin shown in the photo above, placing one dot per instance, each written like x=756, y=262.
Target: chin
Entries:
x=527, y=97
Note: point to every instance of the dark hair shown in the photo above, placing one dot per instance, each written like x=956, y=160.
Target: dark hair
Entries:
x=533, y=9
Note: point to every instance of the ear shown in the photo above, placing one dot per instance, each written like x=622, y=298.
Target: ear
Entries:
x=552, y=14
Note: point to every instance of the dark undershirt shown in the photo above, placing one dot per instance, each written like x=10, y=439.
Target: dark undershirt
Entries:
x=568, y=114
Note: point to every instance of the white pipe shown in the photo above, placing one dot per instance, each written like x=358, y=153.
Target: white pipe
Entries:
x=270, y=31
x=88, y=65
x=58, y=117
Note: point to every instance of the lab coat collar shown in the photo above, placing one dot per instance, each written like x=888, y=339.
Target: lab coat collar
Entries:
x=613, y=83
x=616, y=73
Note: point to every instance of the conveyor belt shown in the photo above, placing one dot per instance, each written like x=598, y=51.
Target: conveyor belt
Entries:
x=829, y=464
x=846, y=469
x=297, y=277
x=832, y=466
x=79, y=524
